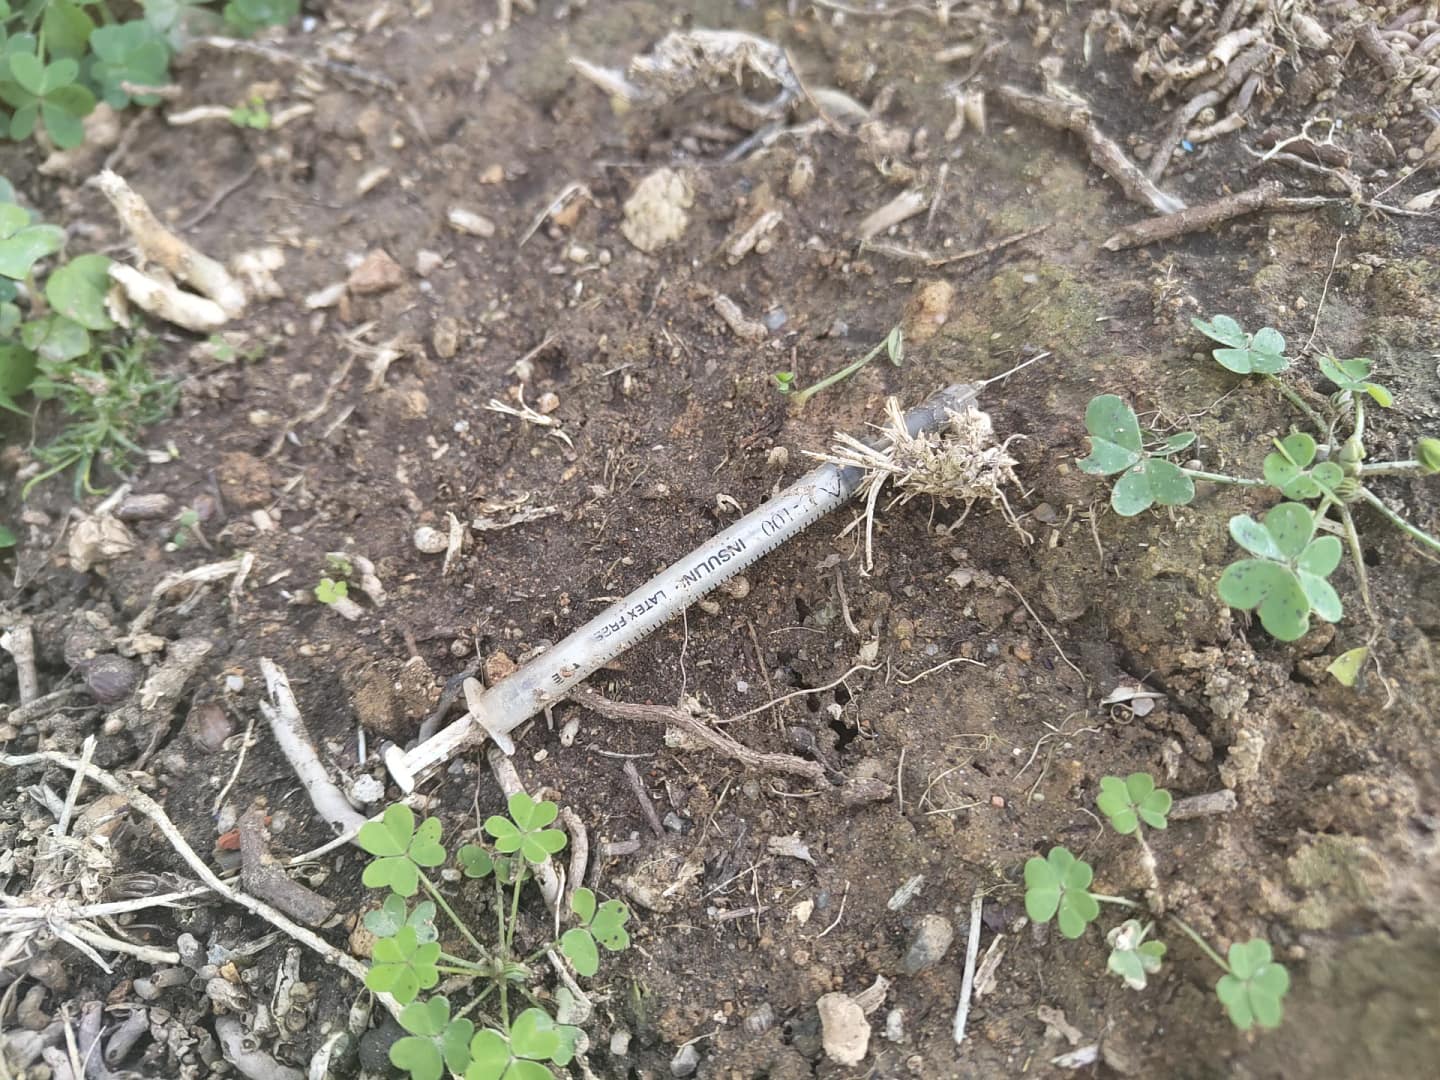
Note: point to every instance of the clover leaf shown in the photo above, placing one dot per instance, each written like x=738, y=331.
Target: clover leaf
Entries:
x=1060, y=883
x=401, y=849
x=403, y=965
x=1288, y=469
x=1261, y=353
x=77, y=291
x=1255, y=987
x=1131, y=956
x=1354, y=376
x=8, y=539
x=132, y=53
x=1346, y=667
x=525, y=830
x=608, y=926
x=1117, y=446
x=475, y=861
x=328, y=591
x=534, y=1037
x=66, y=28
x=48, y=92
x=392, y=915
x=1133, y=800
x=22, y=244
x=56, y=338
x=579, y=948
x=248, y=16
x=1286, y=581
x=435, y=1042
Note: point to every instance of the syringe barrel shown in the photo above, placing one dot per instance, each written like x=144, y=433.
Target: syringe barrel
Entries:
x=548, y=677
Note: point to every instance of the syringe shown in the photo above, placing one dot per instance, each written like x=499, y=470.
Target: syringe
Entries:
x=547, y=678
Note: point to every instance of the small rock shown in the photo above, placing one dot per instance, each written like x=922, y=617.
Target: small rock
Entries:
x=620, y=1042
x=446, y=337
x=685, y=1061
x=377, y=273
x=83, y=645
x=145, y=507
x=761, y=1019
x=97, y=540
x=931, y=943
x=208, y=725
x=469, y=222
x=844, y=1031
x=244, y=480
x=802, y=176
x=112, y=679
x=895, y=1025
x=427, y=262
x=928, y=310
x=655, y=213
x=547, y=402
x=430, y=541
x=497, y=666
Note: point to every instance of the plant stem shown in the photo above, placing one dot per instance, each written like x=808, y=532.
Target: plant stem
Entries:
x=468, y=965
x=1115, y=900
x=1299, y=402
x=1391, y=468
x=514, y=912
x=839, y=376
x=1399, y=522
x=1359, y=432
x=474, y=973
x=1357, y=556
x=1201, y=942
x=444, y=906
x=1221, y=478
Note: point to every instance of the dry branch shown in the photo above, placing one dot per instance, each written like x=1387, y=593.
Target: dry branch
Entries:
x=1075, y=116
x=1266, y=196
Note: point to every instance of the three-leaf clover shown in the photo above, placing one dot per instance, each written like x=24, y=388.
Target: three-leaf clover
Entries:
x=1288, y=468
x=435, y=1043
x=1255, y=987
x=605, y=924
x=1354, y=376
x=1131, y=956
x=525, y=830
x=328, y=590
x=22, y=244
x=534, y=1037
x=387, y=920
x=1060, y=883
x=1286, y=580
x=1117, y=446
x=49, y=92
x=404, y=965
x=1133, y=800
x=1260, y=353
x=401, y=849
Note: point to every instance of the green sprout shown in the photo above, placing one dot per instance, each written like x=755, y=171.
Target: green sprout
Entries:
x=893, y=347
x=408, y=957
x=8, y=539
x=1254, y=986
x=1132, y=957
x=1284, y=577
x=1060, y=883
x=253, y=114
x=329, y=591
x=1133, y=800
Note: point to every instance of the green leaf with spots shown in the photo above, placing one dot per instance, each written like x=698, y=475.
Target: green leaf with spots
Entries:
x=1285, y=583
x=1288, y=469
x=1152, y=482
x=1115, y=442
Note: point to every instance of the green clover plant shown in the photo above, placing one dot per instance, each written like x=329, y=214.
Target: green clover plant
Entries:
x=409, y=956
x=1284, y=579
x=1116, y=446
x=1058, y=886
x=1254, y=987
x=328, y=591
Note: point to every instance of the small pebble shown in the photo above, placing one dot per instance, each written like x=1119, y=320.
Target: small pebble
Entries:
x=427, y=262
x=469, y=222
x=429, y=540
x=895, y=1025
x=761, y=1019
x=548, y=403
x=685, y=1061
x=112, y=679
x=775, y=318
x=569, y=731
x=620, y=1043
x=932, y=941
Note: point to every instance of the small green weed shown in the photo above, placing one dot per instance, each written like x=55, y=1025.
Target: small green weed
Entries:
x=408, y=956
x=893, y=347
x=253, y=114
x=1057, y=886
x=329, y=591
x=1283, y=577
x=59, y=58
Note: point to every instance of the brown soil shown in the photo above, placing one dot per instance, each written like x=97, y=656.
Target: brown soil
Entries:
x=1330, y=854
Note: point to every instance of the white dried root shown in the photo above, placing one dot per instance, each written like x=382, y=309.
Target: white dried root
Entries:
x=166, y=300
x=963, y=460
x=161, y=246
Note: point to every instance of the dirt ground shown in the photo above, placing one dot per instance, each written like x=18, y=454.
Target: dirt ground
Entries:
x=301, y=444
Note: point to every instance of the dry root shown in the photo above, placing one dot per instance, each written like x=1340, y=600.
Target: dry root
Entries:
x=963, y=461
